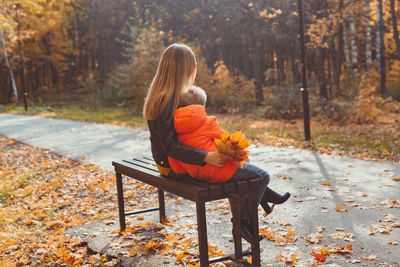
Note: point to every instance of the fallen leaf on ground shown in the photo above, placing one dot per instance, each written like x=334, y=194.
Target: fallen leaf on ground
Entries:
x=337, y=248
x=314, y=238
x=370, y=257
x=320, y=257
x=287, y=257
x=340, y=209
x=341, y=235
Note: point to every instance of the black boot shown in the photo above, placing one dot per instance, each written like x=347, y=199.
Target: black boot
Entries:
x=246, y=231
x=272, y=197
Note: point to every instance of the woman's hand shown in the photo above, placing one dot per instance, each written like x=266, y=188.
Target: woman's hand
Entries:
x=215, y=158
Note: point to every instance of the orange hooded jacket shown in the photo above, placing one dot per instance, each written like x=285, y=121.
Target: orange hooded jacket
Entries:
x=195, y=129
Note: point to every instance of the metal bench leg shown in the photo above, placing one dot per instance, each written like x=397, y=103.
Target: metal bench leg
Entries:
x=202, y=232
x=236, y=226
x=161, y=204
x=121, y=208
x=255, y=245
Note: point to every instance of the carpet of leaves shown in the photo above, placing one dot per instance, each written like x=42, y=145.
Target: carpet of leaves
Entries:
x=41, y=195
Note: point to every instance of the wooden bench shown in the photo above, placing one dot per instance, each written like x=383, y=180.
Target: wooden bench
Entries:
x=145, y=170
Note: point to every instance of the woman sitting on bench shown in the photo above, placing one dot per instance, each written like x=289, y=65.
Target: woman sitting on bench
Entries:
x=176, y=72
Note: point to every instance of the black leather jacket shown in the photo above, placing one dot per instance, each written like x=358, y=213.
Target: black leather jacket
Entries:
x=164, y=142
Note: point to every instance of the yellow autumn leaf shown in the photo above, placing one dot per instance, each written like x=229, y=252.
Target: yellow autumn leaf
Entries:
x=324, y=250
x=234, y=145
x=180, y=255
x=340, y=209
x=278, y=239
x=103, y=185
x=151, y=245
x=61, y=252
x=225, y=135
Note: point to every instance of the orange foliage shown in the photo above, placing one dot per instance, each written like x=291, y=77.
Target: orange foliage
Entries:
x=234, y=146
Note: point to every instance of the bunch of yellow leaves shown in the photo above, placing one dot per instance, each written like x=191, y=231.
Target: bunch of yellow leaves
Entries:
x=234, y=145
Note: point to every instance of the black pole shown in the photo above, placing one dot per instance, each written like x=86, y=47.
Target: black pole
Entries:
x=25, y=103
x=304, y=92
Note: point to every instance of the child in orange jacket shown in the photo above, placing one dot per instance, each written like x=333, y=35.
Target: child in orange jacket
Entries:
x=195, y=128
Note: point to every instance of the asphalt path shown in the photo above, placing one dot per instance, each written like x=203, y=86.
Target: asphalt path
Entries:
x=319, y=183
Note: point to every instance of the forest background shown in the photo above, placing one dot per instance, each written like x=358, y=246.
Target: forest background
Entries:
x=96, y=58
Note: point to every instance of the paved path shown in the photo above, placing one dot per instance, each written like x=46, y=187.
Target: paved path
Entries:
x=360, y=186
x=98, y=143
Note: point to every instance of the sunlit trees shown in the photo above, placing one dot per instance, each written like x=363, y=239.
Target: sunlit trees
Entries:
x=57, y=45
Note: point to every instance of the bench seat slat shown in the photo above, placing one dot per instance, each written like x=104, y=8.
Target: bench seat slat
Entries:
x=146, y=161
x=215, y=189
x=181, y=188
x=148, y=158
x=140, y=164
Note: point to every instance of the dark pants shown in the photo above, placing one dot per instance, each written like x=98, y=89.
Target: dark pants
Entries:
x=249, y=172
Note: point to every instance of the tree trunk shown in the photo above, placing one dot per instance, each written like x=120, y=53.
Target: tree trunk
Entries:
x=330, y=66
x=14, y=86
x=4, y=86
x=381, y=47
x=245, y=60
x=280, y=64
x=257, y=71
x=368, y=41
x=353, y=43
x=395, y=30
x=320, y=71
x=21, y=61
x=339, y=52
x=346, y=54
x=294, y=65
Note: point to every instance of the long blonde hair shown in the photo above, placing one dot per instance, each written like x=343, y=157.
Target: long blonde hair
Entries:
x=175, y=72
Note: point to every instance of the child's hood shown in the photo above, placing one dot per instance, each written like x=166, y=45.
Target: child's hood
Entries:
x=189, y=118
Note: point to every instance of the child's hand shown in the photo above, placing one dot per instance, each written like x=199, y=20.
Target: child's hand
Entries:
x=215, y=158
